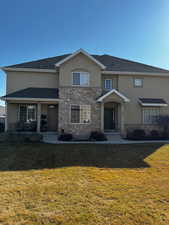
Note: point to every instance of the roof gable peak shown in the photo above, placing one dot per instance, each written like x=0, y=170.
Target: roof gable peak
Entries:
x=78, y=52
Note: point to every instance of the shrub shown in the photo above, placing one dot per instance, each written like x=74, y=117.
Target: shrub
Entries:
x=137, y=134
x=163, y=122
x=154, y=134
x=165, y=134
x=65, y=137
x=2, y=127
x=97, y=136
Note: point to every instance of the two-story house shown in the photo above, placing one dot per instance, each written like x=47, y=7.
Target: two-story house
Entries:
x=80, y=93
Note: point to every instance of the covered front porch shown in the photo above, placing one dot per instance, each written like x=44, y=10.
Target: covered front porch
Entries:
x=113, y=111
x=32, y=109
x=32, y=117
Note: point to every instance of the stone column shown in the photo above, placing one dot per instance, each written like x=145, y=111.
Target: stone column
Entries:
x=6, y=116
x=102, y=116
x=38, y=117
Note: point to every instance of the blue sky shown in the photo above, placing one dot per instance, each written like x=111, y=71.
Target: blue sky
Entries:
x=34, y=29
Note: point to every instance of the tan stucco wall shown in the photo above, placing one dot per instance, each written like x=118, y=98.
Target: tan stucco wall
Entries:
x=80, y=63
x=153, y=87
x=20, y=80
x=114, y=79
x=12, y=112
x=113, y=98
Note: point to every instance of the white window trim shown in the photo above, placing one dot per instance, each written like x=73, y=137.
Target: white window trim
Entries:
x=76, y=85
x=111, y=84
x=136, y=86
x=143, y=115
x=71, y=115
x=26, y=112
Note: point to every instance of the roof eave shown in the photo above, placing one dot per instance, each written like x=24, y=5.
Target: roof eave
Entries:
x=125, y=99
x=135, y=73
x=28, y=70
x=30, y=99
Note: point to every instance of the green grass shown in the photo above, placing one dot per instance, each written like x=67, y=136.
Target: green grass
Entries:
x=80, y=184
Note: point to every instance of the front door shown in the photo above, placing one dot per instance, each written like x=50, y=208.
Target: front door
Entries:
x=52, y=118
x=109, y=118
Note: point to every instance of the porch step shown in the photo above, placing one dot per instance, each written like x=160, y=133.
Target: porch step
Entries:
x=50, y=137
x=49, y=133
x=113, y=136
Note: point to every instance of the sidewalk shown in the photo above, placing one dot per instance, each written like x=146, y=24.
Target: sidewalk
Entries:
x=53, y=139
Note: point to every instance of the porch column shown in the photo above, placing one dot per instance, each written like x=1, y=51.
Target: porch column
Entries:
x=6, y=116
x=102, y=116
x=38, y=117
x=122, y=118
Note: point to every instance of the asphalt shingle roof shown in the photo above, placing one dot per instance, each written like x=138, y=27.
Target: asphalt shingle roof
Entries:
x=112, y=64
x=153, y=100
x=51, y=93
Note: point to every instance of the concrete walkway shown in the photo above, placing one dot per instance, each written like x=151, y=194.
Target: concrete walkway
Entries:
x=52, y=138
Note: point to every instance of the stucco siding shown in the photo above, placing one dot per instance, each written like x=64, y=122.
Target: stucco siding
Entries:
x=114, y=79
x=20, y=80
x=12, y=112
x=153, y=87
x=79, y=63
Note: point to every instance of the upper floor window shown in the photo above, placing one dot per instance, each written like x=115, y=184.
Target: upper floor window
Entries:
x=138, y=82
x=108, y=84
x=80, y=78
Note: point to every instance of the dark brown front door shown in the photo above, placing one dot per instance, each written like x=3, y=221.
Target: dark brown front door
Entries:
x=109, y=118
x=52, y=118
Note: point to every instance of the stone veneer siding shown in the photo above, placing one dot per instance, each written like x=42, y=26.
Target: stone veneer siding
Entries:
x=79, y=96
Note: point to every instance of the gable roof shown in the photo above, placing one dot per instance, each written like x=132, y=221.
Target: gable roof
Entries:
x=86, y=54
x=37, y=93
x=113, y=91
x=110, y=63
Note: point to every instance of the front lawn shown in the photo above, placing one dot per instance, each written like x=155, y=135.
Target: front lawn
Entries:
x=84, y=184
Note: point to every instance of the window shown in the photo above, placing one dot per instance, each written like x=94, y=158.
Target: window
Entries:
x=80, y=78
x=150, y=115
x=27, y=113
x=108, y=84
x=138, y=82
x=80, y=113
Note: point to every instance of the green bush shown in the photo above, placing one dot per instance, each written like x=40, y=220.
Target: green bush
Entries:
x=137, y=134
x=154, y=134
x=97, y=136
x=65, y=137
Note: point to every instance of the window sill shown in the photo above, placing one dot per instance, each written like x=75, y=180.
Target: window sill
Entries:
x=80, y=85
x=80, y=123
